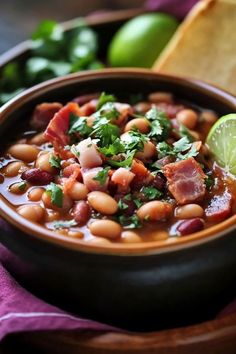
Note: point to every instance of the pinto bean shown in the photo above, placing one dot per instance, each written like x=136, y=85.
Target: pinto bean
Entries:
x=31, y=212
x=188, y=118
x=189, y=211
x=13, y=168
x=130, y=237
x=43, y=163
x=105, y=228
x=76, y=234
x=78, y=191
x=18, y=188
x=81, y=212
x=141, y=124
x=67, y=203
x=154, y=211
x=37, y=176
x=208, y=117
x=38, y=139
x=24, y=152
x=35, y=194
x=190, y=226
x=157, y=97
x=102, y=202
x=149, y=151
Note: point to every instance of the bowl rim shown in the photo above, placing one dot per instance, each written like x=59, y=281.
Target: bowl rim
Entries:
x=119, y=249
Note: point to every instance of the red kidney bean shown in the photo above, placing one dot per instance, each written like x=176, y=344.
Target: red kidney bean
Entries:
x=37, y=176
x=159, y=181
x=190, y=226
x=86, y=98
x=81, y=212
x=170, y=109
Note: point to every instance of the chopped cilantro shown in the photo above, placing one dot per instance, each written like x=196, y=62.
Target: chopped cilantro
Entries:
x=56, y=194
x=124, y=163
x=22, y=186
x=64, y=224
x=79, y=125
x=130, y=222
x=183, y=131
x=122, y=205
x=127, y=197
x=101, y=176
x=55, y=161
x=104, y=98
x=138, y=202
x=179, y=147
x=209, y=181
x=134, y=140
x=151, y=193
x=105, y=132
x=113, y=149
x=160, y=124
x=108, y=111
x=74, y=150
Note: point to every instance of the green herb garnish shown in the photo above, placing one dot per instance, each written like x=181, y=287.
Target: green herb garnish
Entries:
x=160, y=124
x=22, y=186
x=64, y=224
x=122, y=205
x=181, y=149
x=130, y=222
x=151, y=193
x=101, y=176
x=79, y=125
x=104, y=98
x=56, y=194
x=55, y=161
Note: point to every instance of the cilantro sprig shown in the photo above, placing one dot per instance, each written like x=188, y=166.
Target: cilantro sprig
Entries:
x=55, y=161
x=105, y=98
x=151, y=193
x=160, y=124
x=130, y=222
x=79, y=125
x=64, y=224
x=56, y=194
x=181, y=149
x=101, y=176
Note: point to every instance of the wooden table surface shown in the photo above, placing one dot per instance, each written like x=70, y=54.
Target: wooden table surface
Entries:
x=18, y=18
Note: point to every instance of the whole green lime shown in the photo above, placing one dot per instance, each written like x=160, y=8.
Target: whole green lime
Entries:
x=139, y=41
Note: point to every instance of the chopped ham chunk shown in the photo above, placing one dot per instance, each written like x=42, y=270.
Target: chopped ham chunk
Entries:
x=92, y=184
x=43, y=113
x=185, y=180
x=122, y=177
x=57, y=129
x=89, y=156
x=220, y=207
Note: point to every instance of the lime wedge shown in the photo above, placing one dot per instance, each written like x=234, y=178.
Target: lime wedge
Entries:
x=222, y=142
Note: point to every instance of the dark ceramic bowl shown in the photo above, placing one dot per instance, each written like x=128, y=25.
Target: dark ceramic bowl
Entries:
x=140, y=287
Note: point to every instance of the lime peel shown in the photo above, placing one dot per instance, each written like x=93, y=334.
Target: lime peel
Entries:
x=221, y=141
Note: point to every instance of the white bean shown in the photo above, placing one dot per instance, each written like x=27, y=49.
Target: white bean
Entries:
x=103, y=203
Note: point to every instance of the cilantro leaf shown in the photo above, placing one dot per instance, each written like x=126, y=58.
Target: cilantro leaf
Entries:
x=113, y=149
x=64, y=224
x=79, y=125
x=164, y=149
x=22, y=186
x=138, y=202
x=151, y=193
x=160, y=124
x=122, y=205
x=183, y=131
x=179, y=147
x=55, y=161
x=108, y=111
x=130, y=222
x=101, y=176
x=124, y=163
x=134, y=140
x=105, y=132
x=56, y=194
x=104, y=98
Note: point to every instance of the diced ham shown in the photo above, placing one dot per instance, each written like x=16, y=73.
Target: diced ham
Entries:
x=43, y=113
x=122, y=177
x=92, y=184
x=89, y=156
x=142, y=175
x=185, y=180
x=70, y=170
x=57, y=129
x=220, y=207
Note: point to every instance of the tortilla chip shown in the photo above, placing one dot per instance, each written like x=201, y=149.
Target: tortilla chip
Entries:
x=204, y=46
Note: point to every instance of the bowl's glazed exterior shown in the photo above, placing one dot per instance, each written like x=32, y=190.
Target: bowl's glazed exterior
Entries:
x=138, y=287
